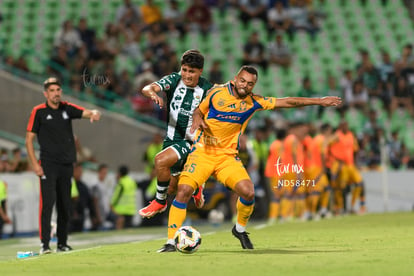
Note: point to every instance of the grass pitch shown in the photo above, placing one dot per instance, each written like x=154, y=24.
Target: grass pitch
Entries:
x=375, y=244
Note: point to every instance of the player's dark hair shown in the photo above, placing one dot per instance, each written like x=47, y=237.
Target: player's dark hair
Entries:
x=281, y=133
x=102, y=166
x=249, y=69
x=325, y=127
x=193, y=58
x=123, y=170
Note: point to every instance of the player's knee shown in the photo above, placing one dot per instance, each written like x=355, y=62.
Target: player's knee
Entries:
x=246, y=191
x=159, y=161
x=184, y=193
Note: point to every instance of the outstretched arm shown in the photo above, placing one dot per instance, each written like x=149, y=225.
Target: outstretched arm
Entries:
x=93, y=115
x=300, y=101
x=150, y=91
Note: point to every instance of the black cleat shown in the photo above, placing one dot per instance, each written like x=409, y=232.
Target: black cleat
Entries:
x=63, y=248
x=167, y=248
x=45, y=250
x=243, y=238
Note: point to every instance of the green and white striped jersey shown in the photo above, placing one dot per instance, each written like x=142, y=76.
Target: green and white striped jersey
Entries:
x=181, y=103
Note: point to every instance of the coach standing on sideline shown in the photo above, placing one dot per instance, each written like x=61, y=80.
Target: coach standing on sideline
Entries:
x=52, y=123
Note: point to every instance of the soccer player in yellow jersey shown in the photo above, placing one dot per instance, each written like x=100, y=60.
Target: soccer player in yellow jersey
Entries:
x=220, y=119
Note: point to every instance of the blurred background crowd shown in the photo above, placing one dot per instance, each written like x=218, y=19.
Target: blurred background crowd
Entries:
x=106, y=51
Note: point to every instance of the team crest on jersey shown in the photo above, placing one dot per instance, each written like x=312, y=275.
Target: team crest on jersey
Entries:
x=65, y=115
x=220, y=102
x=243, y=106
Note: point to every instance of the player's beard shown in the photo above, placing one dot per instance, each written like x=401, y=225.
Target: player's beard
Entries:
x=241, y=92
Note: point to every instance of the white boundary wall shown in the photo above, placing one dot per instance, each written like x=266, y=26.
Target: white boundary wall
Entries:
x=23, y=199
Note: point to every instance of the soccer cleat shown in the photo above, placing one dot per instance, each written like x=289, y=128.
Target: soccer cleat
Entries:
x=243, y=238
x=167, y=248
x=45, y=250
x=199, y=198
x=63, y=248
x=152, y=209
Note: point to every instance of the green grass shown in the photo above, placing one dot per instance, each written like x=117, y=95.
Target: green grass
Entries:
x=380, y=244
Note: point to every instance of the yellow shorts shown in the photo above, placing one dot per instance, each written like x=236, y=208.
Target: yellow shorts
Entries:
x=226, y=168
x=348, y=175
x=315, y=179
x=288, y=183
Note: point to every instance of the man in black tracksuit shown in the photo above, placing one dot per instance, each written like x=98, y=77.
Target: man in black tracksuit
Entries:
x=51, y=122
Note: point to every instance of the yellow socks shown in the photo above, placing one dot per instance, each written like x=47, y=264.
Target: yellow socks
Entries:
x=244, y=210
x=176, y=217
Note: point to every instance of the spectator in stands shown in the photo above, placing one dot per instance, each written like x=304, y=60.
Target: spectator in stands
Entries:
x=130, y=47
x=147, y=75
x=402, y=96
x=395, y=150
x=151, y=13
x=173, y=19
x=406, y=60
x=215, y=75
x=332, y=87
x=130, y=18
x=4, y=160
x=358, y=96
x=346, y=82
x=254, y=52
x=59, y=62
x=198, y=15
x=369, y=75
x=18, y=163
x=302, y=18
x=156, y=39
x=111, y=39
x=148, y=56
x=252, y=9
x=372, y=124
x=125, y=87
x=279, y=52
x=386, y=67
x=99, y=199
x=167, y=61
x=278, y=20
x=69, y=37
x=374, y=160
x=125, y=8
x=21, y=64
x=86, y=34
x=307, y=90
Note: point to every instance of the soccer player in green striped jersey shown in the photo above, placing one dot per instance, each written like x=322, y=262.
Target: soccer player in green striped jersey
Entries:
x=184, y=91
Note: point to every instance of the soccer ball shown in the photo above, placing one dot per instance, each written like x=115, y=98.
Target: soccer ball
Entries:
x=187, y=239
x=216, y=217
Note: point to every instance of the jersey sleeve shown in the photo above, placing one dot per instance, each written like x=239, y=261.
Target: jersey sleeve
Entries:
x=169, y=82
x=266, y=102
x=34, y=121
x=74, y=111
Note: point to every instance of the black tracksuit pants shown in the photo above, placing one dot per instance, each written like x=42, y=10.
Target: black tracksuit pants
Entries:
x=55, y=187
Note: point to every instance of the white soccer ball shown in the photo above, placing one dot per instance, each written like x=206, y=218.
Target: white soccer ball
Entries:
x=216, y=217
x=187, y=239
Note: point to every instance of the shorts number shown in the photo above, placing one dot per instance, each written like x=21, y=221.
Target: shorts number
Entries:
x=190, y=167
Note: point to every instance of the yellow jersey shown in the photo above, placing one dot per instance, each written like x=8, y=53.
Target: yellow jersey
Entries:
x=227, y=117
